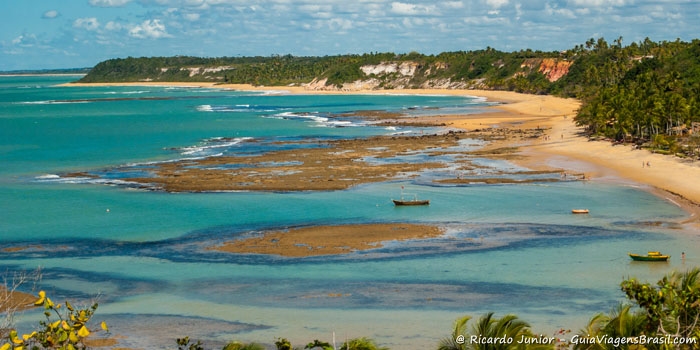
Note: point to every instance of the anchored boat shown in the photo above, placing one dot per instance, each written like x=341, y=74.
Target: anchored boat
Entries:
x=651, y=256
x=411, y=202
x=414, y=201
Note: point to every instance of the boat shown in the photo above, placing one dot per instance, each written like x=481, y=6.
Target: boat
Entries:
x=579, y=211
x=651, y=256
x=414, y=201
x=411, y=202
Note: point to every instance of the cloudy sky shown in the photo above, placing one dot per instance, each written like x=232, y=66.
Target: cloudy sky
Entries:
x=80, y=33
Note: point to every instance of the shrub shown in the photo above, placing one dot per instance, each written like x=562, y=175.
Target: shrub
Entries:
x=66, y=331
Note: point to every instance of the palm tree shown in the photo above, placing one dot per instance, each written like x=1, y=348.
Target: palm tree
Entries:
x=594, y=328
x=508, y=327
x=622, y=322
x=361, y=344
x=459, y=332
x=490, y=333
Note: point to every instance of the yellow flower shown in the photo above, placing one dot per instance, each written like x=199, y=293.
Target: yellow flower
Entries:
x=42, y=297
x=83, y=332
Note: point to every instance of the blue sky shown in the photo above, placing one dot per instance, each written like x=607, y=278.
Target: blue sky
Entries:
x=80, y=33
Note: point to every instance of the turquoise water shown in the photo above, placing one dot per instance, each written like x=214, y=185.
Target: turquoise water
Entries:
x=509, y=248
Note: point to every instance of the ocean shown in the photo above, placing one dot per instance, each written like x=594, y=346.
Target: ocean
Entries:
x=509, y=248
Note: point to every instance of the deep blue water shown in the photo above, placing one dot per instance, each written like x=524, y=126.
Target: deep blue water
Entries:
x=509, y=248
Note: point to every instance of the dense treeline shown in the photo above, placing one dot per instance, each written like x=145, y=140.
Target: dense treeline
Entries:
x=67, y=71
x=274, y=70
x=644, y=92
x=489, y=67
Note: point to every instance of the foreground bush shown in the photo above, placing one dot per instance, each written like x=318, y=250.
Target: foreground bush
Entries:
x=61, y=330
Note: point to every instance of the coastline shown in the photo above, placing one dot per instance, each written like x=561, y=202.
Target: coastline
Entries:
x=508, y=116
x=563, y=148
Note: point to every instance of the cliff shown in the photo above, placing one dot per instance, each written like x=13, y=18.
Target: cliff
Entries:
x=484, y=69
x=555, y=69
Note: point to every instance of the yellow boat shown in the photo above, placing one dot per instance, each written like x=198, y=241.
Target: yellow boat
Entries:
x=651, y=256
x=579, y=211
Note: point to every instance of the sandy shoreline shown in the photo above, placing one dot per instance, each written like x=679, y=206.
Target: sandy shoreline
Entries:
x=562, y=148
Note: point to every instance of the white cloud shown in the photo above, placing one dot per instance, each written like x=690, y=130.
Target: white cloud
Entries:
x=25, y=40
x=315, y=8
x=484, y=20
x=109, y=3
x=152, y=28
x=281, y=8
x=113, y=26
x=599, y=3
x=318, y=11
x=50, y=14
x=553, y=11
x=405, y=9
x=497, y=3
x=192, y=17
x=453, y=4
x=339, y=24
x=90, y=23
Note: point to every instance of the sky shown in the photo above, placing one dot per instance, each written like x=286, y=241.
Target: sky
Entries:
x=49, y=34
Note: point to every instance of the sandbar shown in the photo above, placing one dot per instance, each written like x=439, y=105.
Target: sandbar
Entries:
x=15, y=300
x=328, y=240
x=319, y=166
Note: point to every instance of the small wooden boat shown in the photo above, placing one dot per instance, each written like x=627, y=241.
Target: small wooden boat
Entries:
x=414, y=201
x=651, y=256
x=579, y=211
x=411, y=202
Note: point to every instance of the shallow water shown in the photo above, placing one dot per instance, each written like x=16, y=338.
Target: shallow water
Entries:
x=509, y=248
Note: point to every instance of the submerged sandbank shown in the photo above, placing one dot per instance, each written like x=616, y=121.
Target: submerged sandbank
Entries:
x=328, y=240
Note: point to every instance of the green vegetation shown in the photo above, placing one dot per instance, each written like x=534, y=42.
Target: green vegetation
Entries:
x=488, y=333
x=61, y=330
x=662, y=316
x=483, y=68
x=645, y=92
x=68, y=71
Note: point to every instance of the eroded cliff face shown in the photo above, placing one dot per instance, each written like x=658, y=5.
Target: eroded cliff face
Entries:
x=403, y=68
x=406, y=75
x=552, y=68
